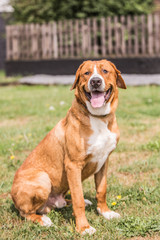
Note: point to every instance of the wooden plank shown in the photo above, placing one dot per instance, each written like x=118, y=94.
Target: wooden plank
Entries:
x=129, y=26
x=15, y=43
x=89, y=49
x=109, y=27
x=8, y=43
x=20, y=41
x=136, y=33
x=27, y=42
x=34, y=46
x=60, y=39
x=82, y=38
x=43, y=30
x=46, y=41
x=150, y=34
x=122, y=30
x=103, y=37
x=77, y=37
x=116, y=33
x=143, y=34
x=157, y=33
x=55, y=40
x=71, y=43
x=95, y=45
x=65, y=38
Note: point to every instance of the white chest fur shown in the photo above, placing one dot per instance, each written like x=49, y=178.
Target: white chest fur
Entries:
x=101, y=142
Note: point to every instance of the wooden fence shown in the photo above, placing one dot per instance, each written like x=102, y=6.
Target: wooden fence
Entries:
x=124, y=36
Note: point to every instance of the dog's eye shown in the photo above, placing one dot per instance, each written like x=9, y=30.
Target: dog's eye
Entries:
x=87, y=73
x=105, y=71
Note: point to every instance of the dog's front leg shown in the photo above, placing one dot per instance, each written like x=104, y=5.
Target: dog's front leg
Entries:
x=101, y=190
x=75, y=185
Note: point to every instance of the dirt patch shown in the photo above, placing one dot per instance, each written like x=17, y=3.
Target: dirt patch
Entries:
x=14, y=122
x=5, y=195
x=153, y=128
x=120, y=159
x=156, y=237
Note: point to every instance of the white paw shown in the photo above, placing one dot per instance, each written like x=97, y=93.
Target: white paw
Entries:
x=87, y=202
x=109, y=214
x=46, y=221
x=89, y=231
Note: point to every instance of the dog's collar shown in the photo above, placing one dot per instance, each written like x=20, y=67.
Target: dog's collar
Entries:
x=98, y=116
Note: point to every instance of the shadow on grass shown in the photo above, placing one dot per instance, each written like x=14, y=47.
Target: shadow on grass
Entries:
x=65, y=213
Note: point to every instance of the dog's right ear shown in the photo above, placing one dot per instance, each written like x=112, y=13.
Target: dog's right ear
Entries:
x=77, y=76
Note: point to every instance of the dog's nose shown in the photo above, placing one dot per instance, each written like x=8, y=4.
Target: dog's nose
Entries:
x=96, y=82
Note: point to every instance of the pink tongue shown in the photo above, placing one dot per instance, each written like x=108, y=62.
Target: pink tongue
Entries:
x=97, y=99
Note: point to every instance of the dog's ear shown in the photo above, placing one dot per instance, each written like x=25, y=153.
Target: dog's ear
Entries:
x=120, y=82
x=77, y=76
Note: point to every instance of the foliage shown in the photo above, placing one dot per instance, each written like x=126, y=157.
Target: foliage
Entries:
x=40, y=11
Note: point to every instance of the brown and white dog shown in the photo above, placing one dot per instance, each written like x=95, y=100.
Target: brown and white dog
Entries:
x=77, y=147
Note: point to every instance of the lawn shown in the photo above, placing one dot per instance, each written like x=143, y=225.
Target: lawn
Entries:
x=28, y=113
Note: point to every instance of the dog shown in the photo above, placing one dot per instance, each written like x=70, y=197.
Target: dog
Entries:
x=76, y=148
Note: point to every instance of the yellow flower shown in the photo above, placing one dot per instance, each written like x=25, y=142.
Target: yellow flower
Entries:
x=114, y=203
x=69, y=192
x=20, y=136
x=29, y=134
x=119, y=197
x=12, y=157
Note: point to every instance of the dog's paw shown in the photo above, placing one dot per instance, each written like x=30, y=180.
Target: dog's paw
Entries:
x=87, y=202
x=46, y=221
x=89, y=231
x=109, y=214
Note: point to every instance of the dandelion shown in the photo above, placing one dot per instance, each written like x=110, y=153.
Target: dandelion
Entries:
x=62, y=103
x=69, y=192
x=51, y=108
x=20, y=136
x=12, y=157
x=114, y=203
x=119, y=197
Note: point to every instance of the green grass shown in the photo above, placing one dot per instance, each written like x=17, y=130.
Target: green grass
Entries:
x=5, y=79
x=28, y=113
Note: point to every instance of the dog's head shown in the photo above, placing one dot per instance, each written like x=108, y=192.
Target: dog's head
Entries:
x=97, y=85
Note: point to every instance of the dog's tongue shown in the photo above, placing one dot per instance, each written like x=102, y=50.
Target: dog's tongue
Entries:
x=97, y=99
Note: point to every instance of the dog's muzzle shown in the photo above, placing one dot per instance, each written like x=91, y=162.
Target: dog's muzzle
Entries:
x=95, y=83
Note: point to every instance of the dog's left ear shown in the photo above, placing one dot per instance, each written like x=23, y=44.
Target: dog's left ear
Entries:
x=120, y=81
x=77, y=76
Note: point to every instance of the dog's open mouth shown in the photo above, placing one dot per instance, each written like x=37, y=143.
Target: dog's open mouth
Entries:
x=98, y=99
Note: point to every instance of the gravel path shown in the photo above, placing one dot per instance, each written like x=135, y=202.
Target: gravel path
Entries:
x=130, y=79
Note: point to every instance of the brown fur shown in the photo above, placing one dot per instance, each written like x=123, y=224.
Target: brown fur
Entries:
x=60, y=161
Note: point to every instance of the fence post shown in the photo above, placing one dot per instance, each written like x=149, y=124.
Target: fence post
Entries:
x=55, y=40
x=109, y=28
x=103, y=37
x=8, y=42
x=157, y=33
x=95, y=46
x=150, y=34
x=15, y=42
x=123, y=42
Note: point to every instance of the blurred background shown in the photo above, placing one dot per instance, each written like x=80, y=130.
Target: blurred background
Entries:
x=38, y=37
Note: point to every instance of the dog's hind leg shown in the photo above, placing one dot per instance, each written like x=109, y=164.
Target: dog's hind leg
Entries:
x=30, y=193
